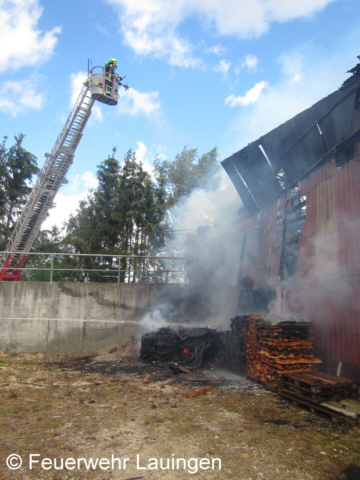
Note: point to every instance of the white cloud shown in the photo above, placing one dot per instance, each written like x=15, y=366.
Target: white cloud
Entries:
x=140, y=152
x=140, y=103
x=21, y=43
x=77, y=81
x=103, y=30
x=223, y=67
x=65, y=205
x=177, y=51
x=86, y=182
x=152, y=26
x=304, y=80
x=16, y=97
x=143, y=155
x=237, y=70
x=216, y=50
x=90, y=181
x=297, y=77
x=251, y=62
x=251, y=96
x=76, y=183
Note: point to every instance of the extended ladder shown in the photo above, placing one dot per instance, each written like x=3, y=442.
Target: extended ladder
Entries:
x=52, y=175
x=50, y=179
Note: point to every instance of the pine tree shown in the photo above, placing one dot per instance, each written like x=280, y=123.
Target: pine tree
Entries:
x=17, y=167
x=123, y=216
x=107, y=228
x=47, y=242
x=184, y=174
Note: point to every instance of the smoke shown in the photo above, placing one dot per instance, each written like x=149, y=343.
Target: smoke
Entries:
x=205, y=231
x=323, y=287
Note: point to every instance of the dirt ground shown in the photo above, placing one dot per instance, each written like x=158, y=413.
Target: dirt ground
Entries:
x=114, y=417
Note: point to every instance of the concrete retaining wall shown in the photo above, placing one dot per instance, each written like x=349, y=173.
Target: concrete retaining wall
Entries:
x=73, y=317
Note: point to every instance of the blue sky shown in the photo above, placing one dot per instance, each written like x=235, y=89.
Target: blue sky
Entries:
x=204, y=74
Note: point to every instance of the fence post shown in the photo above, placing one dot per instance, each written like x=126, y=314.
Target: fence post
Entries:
x=119, y=268
x=51, y=267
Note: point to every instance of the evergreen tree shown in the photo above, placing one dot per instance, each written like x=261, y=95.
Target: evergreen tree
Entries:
x=94, y=228
x=47, y=242
x=184, y=174
x=107, y=228
x=17, y=166
x=123, y=216
x=4, y=179
x=140, y=210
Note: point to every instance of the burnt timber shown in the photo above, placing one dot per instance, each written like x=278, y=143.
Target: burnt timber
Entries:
x=278, y=160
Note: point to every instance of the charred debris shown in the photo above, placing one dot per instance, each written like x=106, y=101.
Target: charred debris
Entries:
x=263, y=350
x=279, y=354
x=190, y=349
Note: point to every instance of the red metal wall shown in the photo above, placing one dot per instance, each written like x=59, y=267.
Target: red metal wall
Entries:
x=329, y=259
x=326, y=288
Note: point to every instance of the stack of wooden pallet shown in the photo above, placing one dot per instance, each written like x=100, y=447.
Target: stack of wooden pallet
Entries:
x=336, y=396
x=276, y=348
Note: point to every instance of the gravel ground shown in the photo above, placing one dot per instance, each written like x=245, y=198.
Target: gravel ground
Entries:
x=59, y=414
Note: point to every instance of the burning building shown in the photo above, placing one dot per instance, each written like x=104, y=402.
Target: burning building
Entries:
x=300, y=223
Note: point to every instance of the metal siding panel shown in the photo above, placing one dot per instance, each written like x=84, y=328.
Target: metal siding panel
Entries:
x=354, y=308
x=349, y=248
x=305, y=269
x=242, y=190
x=350, y=350
x=344, y=348
x=333, y=212
x=343, y=351
x=357, y=350
x=275, y=264
x=323, y=172
x=266, y=242
x=336, y=321
x=326, y=231
x=348, y=190
x=332, y=343
x=309, y=226
x=348, y=312
x=335, y=347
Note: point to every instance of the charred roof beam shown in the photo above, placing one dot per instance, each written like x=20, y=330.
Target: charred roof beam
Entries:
x=295, y=147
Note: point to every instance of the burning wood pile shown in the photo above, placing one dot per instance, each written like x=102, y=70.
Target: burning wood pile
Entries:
x=162, y=345
x=279, y=354
x=272, y=350
x=231, y=353
x=253, y=346
x=189, y=346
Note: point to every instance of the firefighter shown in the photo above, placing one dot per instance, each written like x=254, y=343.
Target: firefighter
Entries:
x=110, y=68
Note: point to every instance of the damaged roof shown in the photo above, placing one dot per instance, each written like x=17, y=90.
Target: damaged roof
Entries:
x=278, y=160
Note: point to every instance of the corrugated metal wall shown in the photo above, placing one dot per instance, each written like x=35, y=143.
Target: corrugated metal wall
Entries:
x=269, y=251
x=326, y=288
x=329, y=261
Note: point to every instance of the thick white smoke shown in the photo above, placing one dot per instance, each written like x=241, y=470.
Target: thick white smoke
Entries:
x=205, y=231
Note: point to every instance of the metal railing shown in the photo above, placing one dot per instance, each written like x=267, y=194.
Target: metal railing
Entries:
x=72, y=267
